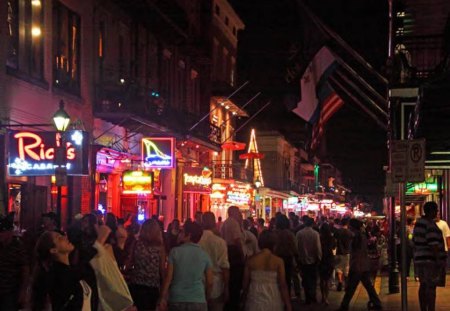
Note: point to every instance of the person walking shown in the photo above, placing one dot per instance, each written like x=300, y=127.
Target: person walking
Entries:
x=264, y=284
x=216, y=248
x=188, y=281
x=146, y=266
x=429, y=256
x=310, y=254
x=233, y=234
x=359, y=268
x=343, y=238
x=286, y=247
x=326, y=266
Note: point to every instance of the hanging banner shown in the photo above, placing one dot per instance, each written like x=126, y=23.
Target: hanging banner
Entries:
x=158, y=152
x=33, y=153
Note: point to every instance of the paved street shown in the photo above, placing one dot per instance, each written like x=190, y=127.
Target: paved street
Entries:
x=391, y=302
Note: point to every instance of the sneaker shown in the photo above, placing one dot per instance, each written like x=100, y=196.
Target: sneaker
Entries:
x=339, y=287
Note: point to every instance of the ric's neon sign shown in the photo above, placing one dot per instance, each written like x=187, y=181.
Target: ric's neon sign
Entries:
x=31, y=145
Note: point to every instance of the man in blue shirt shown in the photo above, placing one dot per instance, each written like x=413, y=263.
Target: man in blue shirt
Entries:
x=184, y=287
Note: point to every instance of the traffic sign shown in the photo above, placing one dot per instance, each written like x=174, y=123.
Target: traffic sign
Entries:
x=408, y=160
x=399, y=160
x=416, y=160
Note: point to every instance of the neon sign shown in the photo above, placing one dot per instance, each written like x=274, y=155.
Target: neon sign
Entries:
x=33, y=153
x=238, y=195
x=196, y=179
x=204, y=179
x=137, y=182
x=158, y=152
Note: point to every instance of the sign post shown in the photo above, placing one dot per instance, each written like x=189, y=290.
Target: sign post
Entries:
x=407, y=165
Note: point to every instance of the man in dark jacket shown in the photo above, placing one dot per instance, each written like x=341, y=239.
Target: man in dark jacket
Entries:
x=359, y=268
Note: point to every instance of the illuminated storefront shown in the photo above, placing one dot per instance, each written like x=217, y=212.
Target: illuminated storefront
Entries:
x=137, y=194
x=196, y=190
x=272, y=201
x=30, y=166
x=226, y=194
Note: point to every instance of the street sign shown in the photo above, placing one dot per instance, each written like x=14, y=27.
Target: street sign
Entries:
x=408, y=160
x=399, y=160
x=416, y=160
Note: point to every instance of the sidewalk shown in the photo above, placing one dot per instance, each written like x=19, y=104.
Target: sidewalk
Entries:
x=391, y=302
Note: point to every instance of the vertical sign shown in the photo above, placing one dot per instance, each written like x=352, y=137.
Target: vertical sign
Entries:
x=408, y=160
x=416, y=160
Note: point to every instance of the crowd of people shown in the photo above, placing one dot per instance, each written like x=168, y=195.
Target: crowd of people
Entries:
x=105, y=263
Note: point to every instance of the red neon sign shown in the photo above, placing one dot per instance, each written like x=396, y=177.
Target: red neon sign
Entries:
x=37, y=150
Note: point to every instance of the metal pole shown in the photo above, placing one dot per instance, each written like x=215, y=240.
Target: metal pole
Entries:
x=59, y=206
x=403, y=241
x=393, y=268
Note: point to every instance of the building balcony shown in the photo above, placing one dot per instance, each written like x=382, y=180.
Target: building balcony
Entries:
x=229, y=170
x=118, y=103
x=417, y=59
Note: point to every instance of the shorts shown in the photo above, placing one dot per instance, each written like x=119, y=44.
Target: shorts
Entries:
x=343, y=264
x=431, y=273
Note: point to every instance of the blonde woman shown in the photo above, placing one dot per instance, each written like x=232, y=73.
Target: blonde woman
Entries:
x=146, y=266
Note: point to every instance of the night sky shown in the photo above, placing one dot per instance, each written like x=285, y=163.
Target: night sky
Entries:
x=355, y=144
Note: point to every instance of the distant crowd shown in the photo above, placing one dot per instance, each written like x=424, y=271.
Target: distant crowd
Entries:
x=105, y=263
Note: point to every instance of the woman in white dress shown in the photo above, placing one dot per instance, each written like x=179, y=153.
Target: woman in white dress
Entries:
x=264, y=285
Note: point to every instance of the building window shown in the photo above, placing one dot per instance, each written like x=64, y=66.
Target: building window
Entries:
x=25, y=20
x=217, y=10
x=66, y=49
x=227, y=21
x=234, y=31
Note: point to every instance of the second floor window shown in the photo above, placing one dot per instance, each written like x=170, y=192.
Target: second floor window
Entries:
x=25, y=22
x=66, y=49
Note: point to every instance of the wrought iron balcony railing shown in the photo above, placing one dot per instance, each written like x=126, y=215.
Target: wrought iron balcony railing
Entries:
x=130, y=98
x=229, y=170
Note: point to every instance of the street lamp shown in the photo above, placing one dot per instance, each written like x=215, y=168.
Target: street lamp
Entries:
x=61, y=120
x=258, y=184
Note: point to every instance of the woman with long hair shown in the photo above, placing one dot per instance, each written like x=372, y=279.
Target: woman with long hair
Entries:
x=326, y=266
x=54, y=278
x=146, y=266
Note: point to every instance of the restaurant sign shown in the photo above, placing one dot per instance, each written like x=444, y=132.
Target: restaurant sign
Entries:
x=196, y=179
x=33, y=153
x=158, y=152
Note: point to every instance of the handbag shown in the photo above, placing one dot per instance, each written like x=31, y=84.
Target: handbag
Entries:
x=113, y=292
x=129, y=266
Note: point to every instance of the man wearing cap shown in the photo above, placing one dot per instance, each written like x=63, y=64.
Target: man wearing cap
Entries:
x=14, y=267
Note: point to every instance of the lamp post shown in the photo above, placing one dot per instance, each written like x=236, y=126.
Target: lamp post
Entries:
x=257, y=185
x=61, y=120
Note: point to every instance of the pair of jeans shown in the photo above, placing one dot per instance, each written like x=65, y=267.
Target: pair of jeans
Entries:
x=237, y=266
x=354, y=277
x=144, y=297
x=309, y=282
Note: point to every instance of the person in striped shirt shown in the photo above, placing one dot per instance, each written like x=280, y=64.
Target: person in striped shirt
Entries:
x=429, y=256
